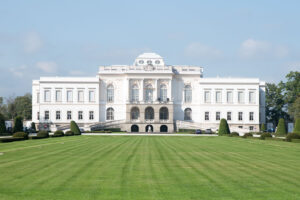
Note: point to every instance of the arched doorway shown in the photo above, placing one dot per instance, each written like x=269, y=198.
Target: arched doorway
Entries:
x=134, y=128
x=149, y=128
x=163, y=128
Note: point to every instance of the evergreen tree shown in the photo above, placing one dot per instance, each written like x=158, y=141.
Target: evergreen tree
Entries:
x=281, y=130
x=18, y=125
x=33, y=127
x=74, y=128
x=297, y=126
x=2, y=124
x=262, y=127
x=224, y=128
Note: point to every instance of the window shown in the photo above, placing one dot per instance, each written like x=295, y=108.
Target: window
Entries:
x=207, y=96
x=110, y=114
x=240, y=127
x=157, y=62
x=251, y=116
x=110, y=93
x=149, y=62
x=163, y=92
x=38, y=115
x=187, y=94
x=241, y=97
x=229, y=97
x=206, y=116
x=188, y=114
x=46, y=115
x=148, y=93
x=57, y=115
x=92, y=96
x=47, y=96
x=240, y=116
x=80, y=96
x=38, y=97
x=135, y=93
x=228, y=116
x=163, y=113
x=69, y=96
x=251, y=128
x=80, y=115
x=149, y=113
x=135, y=113
x=218, y=115
x=252, y=97
x=218, y=97
x=69, y=115
x=91, y=116
x=58, y=95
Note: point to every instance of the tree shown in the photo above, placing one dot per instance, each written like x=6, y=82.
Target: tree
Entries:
x=2, y=124
x=262, y=127
x=224, y=128
x=294, y=110
x=281, y=130
x=297, y=126
x=18, y=124
x=23, y=105
x=74, y=128
x=33, y=127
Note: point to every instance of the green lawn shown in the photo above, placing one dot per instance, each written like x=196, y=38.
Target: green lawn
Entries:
x=149, y=167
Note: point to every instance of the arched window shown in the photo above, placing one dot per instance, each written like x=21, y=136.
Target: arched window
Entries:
x=148, y=93
x=110, y=93
x=135, y=93
x=163, y=92
x=188, y=114
x=149, y=113
x=163, y=113
x=187, y=93
x=135, y=113
x=110, y=114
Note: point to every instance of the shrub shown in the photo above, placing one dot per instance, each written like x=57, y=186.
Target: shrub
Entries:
x=265, y=135
x=297, y=126
x=20, y=135
x=113, y=129
x=58, y=133
x=292, y=136
x=187, y=130
x=33, y=129
x=2, y=124
x=74, y=128
x=281, y=130
x=69, y=133
x=234, y=134
x=262, y=127
x=18, y=124
x=11, y=139
x=43, y=134
x=247, y=135
x=224, y=128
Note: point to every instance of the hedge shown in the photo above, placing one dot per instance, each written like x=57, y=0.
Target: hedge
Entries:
x=265, y=135
x=297, y=126
x=262, y=127
x=74, y=128
x=223, y=128
x=69, y=133
x=20, y=135
x=18, y=124
x=247, y=135
x=43, y=134
x=58, y=133
x=281, y=130
x=2, y=124
x=187, y=130
x=11, y=139
x=292, y=136
x=234, y=134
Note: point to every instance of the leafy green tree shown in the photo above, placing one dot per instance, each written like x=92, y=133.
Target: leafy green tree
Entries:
x=262, y=127
x=281, y=130
x=2, y=124
x=23, y=106
x=294, y=110
x=74, y=128
x=224, y=128
x=18, y=124
x=297, y=126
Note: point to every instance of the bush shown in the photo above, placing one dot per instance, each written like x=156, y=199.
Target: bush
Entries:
x=292, y=136
x=69, y=133
x=187, y=130
x=265, y=135
x=297, y=126
x=74, y=128
x=223, y=128
x=2, y=124
x=281, y=130
x=11, y=139
x=234, y=134
x=42, y=134
x=247, y=135
x=18, y=124
x=58, y=133
x=33, y=129
x=20, y=135
x=262, y=127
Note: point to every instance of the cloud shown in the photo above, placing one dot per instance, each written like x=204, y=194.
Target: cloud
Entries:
x=32, y=42
x=251, y=48
x=76, y=72
x=48, y=67
x=18, y=71
x=198, y=50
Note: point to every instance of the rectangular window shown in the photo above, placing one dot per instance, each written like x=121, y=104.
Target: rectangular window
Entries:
x=241, y=97
x=91, y=116
x=92, y=96
x=57, y=115
x=46, y=115
x=80, y=96
x=47, y=96
x=69, y=96
x=38, y=97
x=240, y=116
x=38, y=115
x=229, y=97
x=206, y=117
x=251, y=128
x=251, y=116
x=218, y=115
x=252, y=97
x=69, y=115
x=240, y=127
x=207, y=96
x=228, y=116
x=218, y=97
x=58, y=95
x=80, y=115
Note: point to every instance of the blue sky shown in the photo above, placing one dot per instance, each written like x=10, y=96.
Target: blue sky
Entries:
x=72, y=38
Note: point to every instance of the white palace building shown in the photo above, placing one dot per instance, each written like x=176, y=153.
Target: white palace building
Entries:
x=149, y=96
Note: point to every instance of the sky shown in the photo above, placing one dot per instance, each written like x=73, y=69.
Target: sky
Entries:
x=257, y=38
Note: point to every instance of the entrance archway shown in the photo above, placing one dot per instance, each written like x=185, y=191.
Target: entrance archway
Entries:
x=134, y=128
x=149, y=128
x=163, y=128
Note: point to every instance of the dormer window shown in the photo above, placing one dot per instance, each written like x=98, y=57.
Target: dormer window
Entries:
x=141, y=62
x=149, y=62
x=157, y=62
